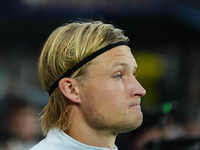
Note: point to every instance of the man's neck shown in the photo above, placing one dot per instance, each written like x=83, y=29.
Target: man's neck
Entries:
x=90, y=136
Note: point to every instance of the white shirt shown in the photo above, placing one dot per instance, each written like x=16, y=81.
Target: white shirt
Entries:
x=58, y=140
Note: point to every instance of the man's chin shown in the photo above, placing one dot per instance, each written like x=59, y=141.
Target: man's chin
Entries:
x=128, y=127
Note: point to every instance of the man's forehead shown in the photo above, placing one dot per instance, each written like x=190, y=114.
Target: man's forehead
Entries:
x=119, y=52
x=118, y=56
x=115, y=55
x=122, y=56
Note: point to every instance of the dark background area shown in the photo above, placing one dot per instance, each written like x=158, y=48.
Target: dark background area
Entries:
x=165, y=36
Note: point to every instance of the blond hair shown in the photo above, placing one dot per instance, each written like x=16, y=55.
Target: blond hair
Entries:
x=65, y=47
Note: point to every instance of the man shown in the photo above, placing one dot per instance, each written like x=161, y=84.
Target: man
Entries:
x=88, y=70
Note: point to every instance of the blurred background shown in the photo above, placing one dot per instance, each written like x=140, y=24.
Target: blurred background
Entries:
x=165, y=36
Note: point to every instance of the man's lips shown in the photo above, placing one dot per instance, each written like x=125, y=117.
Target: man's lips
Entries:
x=135, y=105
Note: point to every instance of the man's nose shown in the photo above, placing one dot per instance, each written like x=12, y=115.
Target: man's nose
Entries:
x=142, y=91
x=138, y=89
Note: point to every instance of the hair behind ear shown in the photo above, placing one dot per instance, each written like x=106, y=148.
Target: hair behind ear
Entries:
x=56, y=113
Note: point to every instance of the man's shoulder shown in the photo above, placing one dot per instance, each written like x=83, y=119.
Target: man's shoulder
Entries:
x=42, y=145
x=51, y=142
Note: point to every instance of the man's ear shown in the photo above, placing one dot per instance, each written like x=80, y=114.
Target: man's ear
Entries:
x=69, y=88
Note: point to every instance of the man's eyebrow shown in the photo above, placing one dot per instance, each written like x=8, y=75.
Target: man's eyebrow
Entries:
x=124, y=64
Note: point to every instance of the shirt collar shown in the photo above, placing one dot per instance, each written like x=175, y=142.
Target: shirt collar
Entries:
x=67, y=141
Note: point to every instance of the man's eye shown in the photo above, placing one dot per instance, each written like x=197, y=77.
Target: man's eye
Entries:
x=118, y=75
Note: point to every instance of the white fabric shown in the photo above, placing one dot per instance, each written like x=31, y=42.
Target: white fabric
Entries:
x=58, y=140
